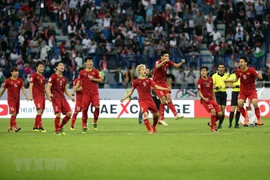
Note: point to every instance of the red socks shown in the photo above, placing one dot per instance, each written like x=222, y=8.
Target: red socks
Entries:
x=96, y=115
x=243, y=112
x=13, y=122
x=64, y=121
x=84, y=118
x=155, y=120
x=39, y=121
x=147, y=124
x=74, y=117
x=213, y=121
x=258, y=114
x=161, y=110
x=56, y=123
x=172, y=108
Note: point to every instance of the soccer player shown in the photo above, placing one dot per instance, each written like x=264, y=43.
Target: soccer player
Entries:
x=159, y=78
x=79, y=98
x=14, y=85
x=89, y=77
x=220, y=90
x=234, y=105
x=247, y=76
x=56, y=91
x=37, y=93
x=146, y=102
x=208, y=100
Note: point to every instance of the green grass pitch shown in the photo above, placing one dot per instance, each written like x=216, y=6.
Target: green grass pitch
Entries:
x=122, y=149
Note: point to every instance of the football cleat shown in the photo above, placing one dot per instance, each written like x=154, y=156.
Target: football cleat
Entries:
x=260, y=123
x=154, y=129
x=245, y=123
x=61, y=130
x=84, y=130
x=220, y=127
x=10, y=130
x=17, y=129
x=178, y=116
x=35, y=129
x=95, y=126
x=236, y=126
x=163, y=122
x=57, y=133
x=71, y=128
x=150, y=131
x=42, y=129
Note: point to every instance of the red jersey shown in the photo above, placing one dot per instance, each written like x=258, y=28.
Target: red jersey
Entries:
x=90, y=88
x=247, y=79
x=38, y=85
x=206, y=87
x=143, y=87
x=14, y=87
x=159, y=76
x=58, y=86
x=79, y=94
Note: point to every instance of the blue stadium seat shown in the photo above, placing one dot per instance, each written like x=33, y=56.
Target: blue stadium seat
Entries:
x=98, y=2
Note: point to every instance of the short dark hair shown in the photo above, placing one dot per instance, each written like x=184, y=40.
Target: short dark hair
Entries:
x=204, y=67
x=244, y=58
x=14, y=69
x=39, y=63
x=221, y=64
x=88, y=58
x=56, y=64
x=163, y=52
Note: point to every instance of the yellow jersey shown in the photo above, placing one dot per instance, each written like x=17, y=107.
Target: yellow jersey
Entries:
x=236, y=85
x=218, y=80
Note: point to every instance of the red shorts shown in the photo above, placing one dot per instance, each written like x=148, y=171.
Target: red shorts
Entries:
x=161, y=93
x=78, y=106
x=250, y=95
x=39, y=103
x=87, y=100
x=211, y=104
x=14, y=107
x=60, y=106
x=146, y=105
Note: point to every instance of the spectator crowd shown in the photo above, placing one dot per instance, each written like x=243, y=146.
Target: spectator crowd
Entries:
x=119, y=34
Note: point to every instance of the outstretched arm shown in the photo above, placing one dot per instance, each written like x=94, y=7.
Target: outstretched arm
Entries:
x=127, y=95
x=179, y=64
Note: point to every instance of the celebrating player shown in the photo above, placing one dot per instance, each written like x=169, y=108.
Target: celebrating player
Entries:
x=37, y=93
x=220, y=90
x=56, y=91
x=78, y=105
x=146, y=102
x=247, y=76
x=208, y=99
x=159, y=78
x=89, y=77
x=14, y=85
x=234, y=105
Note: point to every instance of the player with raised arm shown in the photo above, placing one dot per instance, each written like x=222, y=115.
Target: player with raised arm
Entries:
x=37, y=93
x=143, y=85
x=159, y=77
x=79, y=98
x=89, y=77
x=56, y=91
x=13, y=85
x=247, y=76
x=208, y=100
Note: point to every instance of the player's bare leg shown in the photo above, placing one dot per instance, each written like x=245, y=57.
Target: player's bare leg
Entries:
x=96, y=115
x=155, y=121
x=257, y=111
x=146, y=123
x=242, y=111
x=161, y=111
x=64, y=121
x=39, y=120
x=172, y=108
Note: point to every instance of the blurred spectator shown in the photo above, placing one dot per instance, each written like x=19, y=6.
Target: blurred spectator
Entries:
x=190, y=78
x=103, y=65
x=55, y=59
x=180, y=79
x=119, y=77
